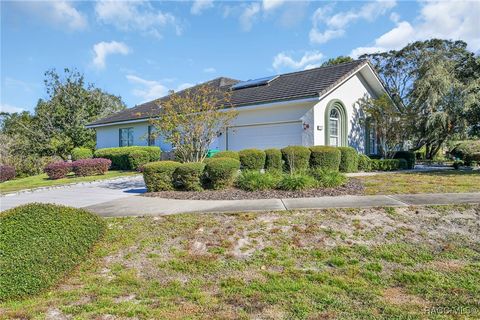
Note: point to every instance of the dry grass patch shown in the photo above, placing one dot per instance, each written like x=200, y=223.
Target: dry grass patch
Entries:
x=322, y=264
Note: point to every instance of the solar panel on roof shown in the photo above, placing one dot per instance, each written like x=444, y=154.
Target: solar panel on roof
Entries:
x=253, y=83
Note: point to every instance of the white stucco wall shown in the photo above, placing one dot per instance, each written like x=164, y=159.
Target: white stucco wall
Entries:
x=349, y=94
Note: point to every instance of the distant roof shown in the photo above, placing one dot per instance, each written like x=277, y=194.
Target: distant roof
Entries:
x=289, y=86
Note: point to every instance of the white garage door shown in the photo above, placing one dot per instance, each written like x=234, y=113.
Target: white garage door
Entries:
x=263, y=136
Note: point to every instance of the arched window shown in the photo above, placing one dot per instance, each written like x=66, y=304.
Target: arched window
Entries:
x=335, y=124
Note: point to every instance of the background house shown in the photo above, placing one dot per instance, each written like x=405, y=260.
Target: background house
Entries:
x=313, y=107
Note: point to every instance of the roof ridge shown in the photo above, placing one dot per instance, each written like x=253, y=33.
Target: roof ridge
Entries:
x=324, y=67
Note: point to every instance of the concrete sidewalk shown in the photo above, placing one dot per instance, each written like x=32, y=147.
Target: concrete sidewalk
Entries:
x=149, y=206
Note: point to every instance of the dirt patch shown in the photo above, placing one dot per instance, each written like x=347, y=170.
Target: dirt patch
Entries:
x=397, y=296
x=352, y=187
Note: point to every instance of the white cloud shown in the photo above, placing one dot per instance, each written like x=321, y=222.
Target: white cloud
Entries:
x=336, y=24
x=437, y=19
x=149, y=90
x=272, y=4
x=60, y=12
x=209, y=70
x=310, y=59
x=248, y=15
x=103, y=49
x=135, y=15
x=5, y=107
x=200, y=5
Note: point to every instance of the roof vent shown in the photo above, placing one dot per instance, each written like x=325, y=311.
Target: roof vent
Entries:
x=253, y=83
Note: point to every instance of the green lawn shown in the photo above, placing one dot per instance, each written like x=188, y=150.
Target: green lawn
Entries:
x=377, y=263
x=423, y=182
x=42, y=180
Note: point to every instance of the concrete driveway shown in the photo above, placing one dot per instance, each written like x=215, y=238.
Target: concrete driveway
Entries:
x=79, y=195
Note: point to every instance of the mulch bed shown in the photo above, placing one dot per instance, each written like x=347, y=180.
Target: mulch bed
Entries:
x=352, y=187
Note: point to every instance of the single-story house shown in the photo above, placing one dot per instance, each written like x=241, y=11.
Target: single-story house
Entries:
x=319, y=106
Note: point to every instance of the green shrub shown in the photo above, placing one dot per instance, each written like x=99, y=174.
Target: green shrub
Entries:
x=158, y=176
x=255, y=180
x=325, y=157
x=388, y=164
x=273, y=160
x=463, y=149
x=296, y=181
x=227, y=154
x=221, y=172
x=327, y=178
x=30, y=165
x=188, y=176
x=364, y=163
x=472, y=158
x=81, y=153
x=348, y=160
x=40, y=244
x=296, y=158
x=408, y=156
x=120, y=156
x=457, y=164
x=137, y=159
x=252, y=159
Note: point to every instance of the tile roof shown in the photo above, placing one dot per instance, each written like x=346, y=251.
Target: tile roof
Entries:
x=296, y=85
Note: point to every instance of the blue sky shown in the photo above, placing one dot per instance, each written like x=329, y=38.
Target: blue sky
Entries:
x=140, y=50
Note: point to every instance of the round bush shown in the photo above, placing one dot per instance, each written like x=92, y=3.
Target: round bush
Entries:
x=408, y=156
x=328, y=178
x=364, y=163
x=227, y=154
x=348, y=160
x=120, y=155
x=188, y=176
x=252, y=159
x=221, y=172
x=91, y=167
x=40, y=244
x=296, y=181
x=81, y=153
x=296, y=158
x=137, y=159
x=6, y=173
x=325, y=157
x=58, y=170
x=273, y=160
x=158, y=176
x=253, y=180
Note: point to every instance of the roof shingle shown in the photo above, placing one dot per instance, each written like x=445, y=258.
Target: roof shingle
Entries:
x=295, y=85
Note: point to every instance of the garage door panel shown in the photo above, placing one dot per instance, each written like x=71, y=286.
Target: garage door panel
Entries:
x=264, y=136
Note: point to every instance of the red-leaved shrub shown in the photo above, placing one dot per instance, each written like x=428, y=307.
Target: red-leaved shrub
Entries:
x=6, y=173
x=58, y=170
x=90, y=167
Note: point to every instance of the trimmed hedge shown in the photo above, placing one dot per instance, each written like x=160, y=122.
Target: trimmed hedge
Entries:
x=273, y=160
x=348, y=159
x=58, y=170
x=188, y=176
x=227, y=154
x=91, y=167
x=221, y=172
x=41, y=244
x=252, y=159
x=296, y=158
x=388, y=164
x=325, y=157
x=408, y=156
x=158, y=176
x=81, y=153
x=137, y=159
x=364, y=163
x=6, y=173
x=120, y=156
